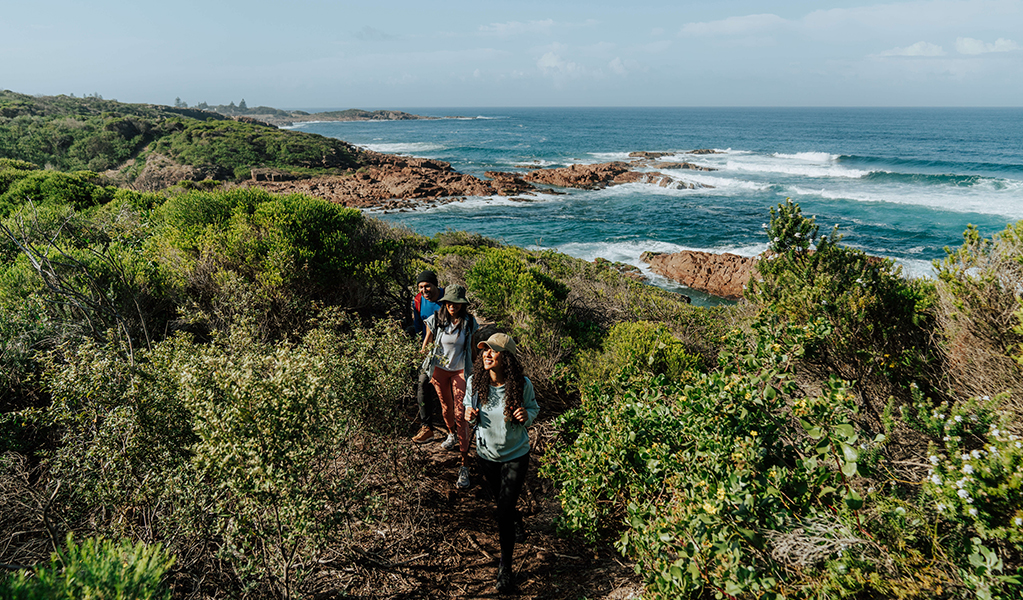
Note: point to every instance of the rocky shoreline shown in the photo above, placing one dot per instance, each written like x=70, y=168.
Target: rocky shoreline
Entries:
x=396, y=182
x=403, y=183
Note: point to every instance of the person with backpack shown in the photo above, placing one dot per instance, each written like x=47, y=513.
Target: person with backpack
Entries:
x=425, y=303
x=500, y=404
x=448, y=340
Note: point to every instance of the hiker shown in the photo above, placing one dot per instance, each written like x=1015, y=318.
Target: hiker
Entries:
x=425, y=303
x=448, y=339
x=500, y=403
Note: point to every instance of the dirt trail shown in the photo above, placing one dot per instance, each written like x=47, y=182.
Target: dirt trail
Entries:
x=453, y=550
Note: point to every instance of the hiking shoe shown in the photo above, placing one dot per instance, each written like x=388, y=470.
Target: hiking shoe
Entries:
x=463, y=478
x=520, y=531
x=425, y=435
x=450, y=443
x=505, y=580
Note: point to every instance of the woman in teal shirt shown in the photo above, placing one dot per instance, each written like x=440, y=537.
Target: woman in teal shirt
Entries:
x=500, y=403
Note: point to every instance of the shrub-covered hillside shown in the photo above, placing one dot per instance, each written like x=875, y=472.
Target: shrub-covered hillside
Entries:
x=206, y=394
x=89, y=133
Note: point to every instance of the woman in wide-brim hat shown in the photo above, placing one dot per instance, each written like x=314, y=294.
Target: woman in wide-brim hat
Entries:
x=501, y=404
x=449, y=333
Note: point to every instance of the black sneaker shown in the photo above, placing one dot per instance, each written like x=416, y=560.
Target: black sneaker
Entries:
x=505, y=583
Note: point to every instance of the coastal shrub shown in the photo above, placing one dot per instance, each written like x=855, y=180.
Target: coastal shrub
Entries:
x=232, y=145
x=369, y=367
x=979, y=315
x=697, y=477
x=636, y=349
x=77, y=190
x=878, y=323
x=95, y=569
x=122, y=431
x=286, y=254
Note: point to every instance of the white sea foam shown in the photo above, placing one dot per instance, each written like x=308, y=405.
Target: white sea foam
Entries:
x=1006, y=202
x=800, y=168
x=814, y=157
x=405, y=148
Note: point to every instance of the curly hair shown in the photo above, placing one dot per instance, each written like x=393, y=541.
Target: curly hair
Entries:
x=515, y=383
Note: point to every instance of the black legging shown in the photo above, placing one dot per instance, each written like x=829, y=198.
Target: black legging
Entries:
x=504, y=481
x=424, y=396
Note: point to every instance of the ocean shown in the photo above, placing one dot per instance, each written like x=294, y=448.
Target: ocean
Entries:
x=902, y=183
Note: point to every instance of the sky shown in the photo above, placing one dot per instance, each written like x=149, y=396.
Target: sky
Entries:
x=395, y=54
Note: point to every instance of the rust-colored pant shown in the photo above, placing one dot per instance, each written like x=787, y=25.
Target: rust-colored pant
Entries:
x=450, y=386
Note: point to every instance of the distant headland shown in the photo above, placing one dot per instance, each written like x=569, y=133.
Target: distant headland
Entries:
x=288, y=118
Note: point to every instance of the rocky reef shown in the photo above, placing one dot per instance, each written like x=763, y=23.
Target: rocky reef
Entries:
x=724, y=275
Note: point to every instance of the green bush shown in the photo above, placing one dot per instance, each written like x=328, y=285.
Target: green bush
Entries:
x=700, y=474
x=979, y=316
x=633, y=349
x=879, y=323
x=77, y=190
x=287, y=254
x=95, y=570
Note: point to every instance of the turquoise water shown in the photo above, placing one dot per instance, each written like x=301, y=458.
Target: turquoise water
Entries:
x=900, y=183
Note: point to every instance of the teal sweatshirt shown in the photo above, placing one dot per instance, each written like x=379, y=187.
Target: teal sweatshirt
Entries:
x=496, y=439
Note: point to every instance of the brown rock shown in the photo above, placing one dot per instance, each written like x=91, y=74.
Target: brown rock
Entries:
x=704, y=151
x=724, y=275
x=649, y=154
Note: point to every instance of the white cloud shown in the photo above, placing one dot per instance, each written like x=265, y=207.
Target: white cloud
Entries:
x=972, y=46
x=917, y=49
x=552, y=64
x=515, y=28
x=371, y=34
x=618, y=67
x=734, y=25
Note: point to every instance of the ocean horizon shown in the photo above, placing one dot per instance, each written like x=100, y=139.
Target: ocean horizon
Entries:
x=902, y=183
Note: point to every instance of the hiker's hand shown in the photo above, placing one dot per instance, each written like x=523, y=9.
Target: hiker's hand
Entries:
x=471, y=414
x=520, y=414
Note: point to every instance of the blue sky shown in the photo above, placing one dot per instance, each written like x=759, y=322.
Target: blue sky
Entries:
x=329, y=54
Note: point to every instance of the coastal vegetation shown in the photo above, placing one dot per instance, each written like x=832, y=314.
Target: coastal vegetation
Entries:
x=105, y=136
x=205, y=393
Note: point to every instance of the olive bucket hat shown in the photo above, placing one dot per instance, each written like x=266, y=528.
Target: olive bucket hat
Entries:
x=454, y=294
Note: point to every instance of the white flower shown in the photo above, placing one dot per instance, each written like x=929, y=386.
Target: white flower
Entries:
x=940, y=507
x=859, y=280
x=936, y=479
x=1018, y=521
x=941, y=417
x=973, y=418
x=963, y=494
x=959, y=418
x=985, y=398
x=933, y=459
x=763, y=226
x=973, y=512
x=777, y=239
x=995, y=432
x=1018, y=445
x=965, y=457
x=976, y=453
x=968, y=469
x=961, y=483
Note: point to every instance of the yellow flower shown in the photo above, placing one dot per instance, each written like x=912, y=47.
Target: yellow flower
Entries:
x=710, y=508
x=753, y=433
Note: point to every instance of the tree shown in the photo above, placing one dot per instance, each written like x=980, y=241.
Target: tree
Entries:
x=242, y=106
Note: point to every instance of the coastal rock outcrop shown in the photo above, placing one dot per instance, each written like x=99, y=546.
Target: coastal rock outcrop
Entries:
x=724, y=275
x=398, y=182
